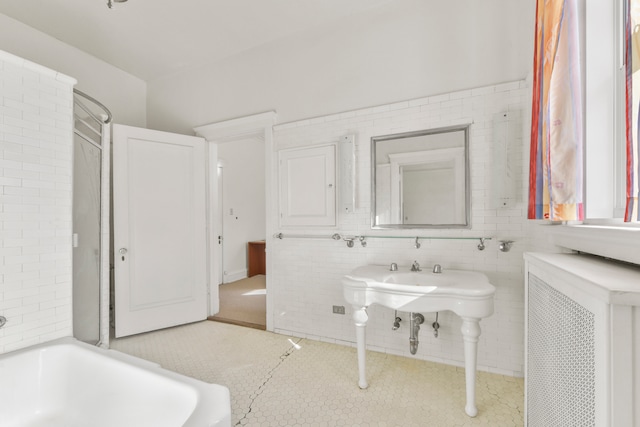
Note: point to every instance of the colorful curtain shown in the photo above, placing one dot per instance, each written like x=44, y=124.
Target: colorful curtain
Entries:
x=632, y=64
x=556, y=165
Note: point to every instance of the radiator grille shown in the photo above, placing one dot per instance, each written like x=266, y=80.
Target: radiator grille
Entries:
x=561, y=359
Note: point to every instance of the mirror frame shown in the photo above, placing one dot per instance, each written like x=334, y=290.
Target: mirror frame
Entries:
x=467, y=182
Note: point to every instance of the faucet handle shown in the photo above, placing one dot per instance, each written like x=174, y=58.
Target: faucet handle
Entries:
x=437, y=269
x=393, y=267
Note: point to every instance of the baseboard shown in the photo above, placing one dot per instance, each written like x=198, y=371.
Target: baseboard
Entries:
x=232, y=276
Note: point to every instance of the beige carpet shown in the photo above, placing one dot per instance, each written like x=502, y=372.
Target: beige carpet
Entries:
x=244, y=303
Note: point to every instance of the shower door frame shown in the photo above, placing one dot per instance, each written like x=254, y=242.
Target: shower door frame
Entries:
x=105, y=217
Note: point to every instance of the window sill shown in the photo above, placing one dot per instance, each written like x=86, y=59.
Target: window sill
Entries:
x=616, y=242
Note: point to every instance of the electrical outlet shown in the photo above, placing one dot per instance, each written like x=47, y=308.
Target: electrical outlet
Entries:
x=338, y=309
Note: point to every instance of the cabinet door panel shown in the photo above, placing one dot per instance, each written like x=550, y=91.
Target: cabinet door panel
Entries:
x=307, y=186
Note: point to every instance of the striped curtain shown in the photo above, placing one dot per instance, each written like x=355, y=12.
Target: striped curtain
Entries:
x=632, y=64
x=556, y=162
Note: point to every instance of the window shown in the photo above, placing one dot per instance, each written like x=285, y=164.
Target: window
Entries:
x=605, y=179
x=604, y=232
x=632, y=26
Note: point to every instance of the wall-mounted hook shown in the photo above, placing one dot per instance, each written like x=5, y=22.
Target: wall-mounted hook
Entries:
x=363, y=241
x=349, y=241
x=481, y=244
x=3, y=320
x=336, y=236
x=417, y=244
x=505, y=245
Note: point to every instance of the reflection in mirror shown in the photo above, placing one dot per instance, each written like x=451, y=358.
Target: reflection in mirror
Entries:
x=420, y=179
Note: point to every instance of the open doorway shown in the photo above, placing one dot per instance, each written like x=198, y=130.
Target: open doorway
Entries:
x=241, y=193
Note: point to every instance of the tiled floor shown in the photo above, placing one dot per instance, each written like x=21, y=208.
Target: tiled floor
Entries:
x=274, y=384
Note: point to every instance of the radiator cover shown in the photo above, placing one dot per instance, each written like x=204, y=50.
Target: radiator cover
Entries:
x=561, y=343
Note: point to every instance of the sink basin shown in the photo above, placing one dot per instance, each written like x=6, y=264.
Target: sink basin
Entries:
x=466, y=293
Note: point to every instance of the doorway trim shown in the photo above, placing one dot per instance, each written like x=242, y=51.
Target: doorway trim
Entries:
x=254, y=126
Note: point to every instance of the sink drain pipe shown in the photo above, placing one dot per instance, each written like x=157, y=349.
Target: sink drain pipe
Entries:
x=415, y=321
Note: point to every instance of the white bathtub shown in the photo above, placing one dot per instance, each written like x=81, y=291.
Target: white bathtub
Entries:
x=72, y=384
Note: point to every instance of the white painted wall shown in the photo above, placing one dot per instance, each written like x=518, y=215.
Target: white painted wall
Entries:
x=36, y=152
x=244, y=193
x=123, y=94
x=305, y=280
x=403, y=50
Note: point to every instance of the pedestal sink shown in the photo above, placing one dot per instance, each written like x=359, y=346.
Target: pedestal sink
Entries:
x=468, y=294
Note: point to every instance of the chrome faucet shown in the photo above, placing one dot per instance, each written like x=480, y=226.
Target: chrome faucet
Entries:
x=415, y=266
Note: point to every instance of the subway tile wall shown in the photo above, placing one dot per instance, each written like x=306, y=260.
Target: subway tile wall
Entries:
x=36, y=134
x=305, y=278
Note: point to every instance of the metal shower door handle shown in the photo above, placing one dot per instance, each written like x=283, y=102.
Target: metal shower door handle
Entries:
x=123, y=252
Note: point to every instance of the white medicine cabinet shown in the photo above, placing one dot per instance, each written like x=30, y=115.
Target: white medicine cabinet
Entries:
x=308, y=186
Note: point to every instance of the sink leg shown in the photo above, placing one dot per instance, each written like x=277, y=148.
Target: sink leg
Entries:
x=360, y=318
x=470, y=333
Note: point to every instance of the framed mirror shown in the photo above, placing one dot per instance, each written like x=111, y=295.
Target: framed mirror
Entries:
x=421, y=179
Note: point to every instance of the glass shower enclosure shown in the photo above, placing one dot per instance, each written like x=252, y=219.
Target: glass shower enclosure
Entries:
x=91, y=220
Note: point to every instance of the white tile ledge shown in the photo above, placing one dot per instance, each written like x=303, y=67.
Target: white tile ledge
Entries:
x=40, y=69
x=621, y=243
x=406, y=104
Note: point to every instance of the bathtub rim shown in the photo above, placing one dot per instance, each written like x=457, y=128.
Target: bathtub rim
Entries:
x=204, y=414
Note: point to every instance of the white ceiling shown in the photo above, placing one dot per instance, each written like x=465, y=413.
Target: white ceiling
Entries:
x=154, y=38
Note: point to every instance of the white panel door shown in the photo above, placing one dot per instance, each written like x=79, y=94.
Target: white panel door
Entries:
x=159, y=229
x=308, y=186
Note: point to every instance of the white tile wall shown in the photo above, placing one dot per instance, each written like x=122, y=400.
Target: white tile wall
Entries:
x=305, y=278
x=36, y=134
